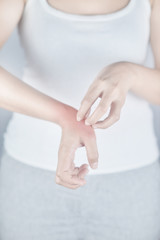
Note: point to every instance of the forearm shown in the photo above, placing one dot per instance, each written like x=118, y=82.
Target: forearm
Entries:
x=146, y=83
x=17, y=96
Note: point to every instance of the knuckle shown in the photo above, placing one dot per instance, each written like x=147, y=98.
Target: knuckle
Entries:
x=100, y=86
x=114, y=84
x=102, y=78
x=96, y=88
x=58, y=174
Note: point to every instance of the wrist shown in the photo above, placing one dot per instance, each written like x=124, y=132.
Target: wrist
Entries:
x=126, y=74
x=66, y=116
x=132, y=75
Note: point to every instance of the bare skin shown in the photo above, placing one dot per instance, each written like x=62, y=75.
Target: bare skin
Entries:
x=112, y=90
x=89, y=6
x=144, y=82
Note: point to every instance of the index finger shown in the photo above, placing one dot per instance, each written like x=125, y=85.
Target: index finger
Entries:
x=88, y=100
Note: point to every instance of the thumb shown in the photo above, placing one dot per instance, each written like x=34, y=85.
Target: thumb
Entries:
x=92, y=153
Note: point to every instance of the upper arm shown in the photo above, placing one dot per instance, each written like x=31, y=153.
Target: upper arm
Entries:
x=10, y=14
x=155, y=32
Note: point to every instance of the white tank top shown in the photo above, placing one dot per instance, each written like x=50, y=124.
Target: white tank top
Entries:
x=64, y=53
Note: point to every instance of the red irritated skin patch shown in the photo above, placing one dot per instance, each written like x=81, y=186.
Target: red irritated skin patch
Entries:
x=74, y=135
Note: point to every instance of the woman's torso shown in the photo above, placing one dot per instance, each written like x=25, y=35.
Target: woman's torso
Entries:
x=64, y=53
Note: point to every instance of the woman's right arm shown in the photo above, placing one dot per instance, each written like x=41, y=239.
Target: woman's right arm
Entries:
x=15, y=95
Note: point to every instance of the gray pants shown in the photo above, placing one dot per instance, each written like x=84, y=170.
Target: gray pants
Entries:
x=118, y=206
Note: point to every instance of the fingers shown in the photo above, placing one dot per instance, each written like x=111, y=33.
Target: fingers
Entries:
x=80, y=172
x=67, y=174
x=88, y=100
x=92, y=152
x=79, y=169
x=113, y=117
x=102, y=108
x=87, y=114
x=61, y=182
x=67, y=179
x=83, y=172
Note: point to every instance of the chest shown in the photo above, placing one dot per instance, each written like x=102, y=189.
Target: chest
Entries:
x=52, y=41
x=88, y=7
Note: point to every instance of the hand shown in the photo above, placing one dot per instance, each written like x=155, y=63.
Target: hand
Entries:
x=111, y=85
x=74, y=135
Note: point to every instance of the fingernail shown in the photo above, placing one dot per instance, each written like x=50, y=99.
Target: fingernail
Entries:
x=95, y=165
x=78, y=118
x=87, y=123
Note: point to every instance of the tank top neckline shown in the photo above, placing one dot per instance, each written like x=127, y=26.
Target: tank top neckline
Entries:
x=85, y=17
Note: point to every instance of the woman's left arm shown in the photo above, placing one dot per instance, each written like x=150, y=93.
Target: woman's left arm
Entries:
x=147, y=82
x=114, y=81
